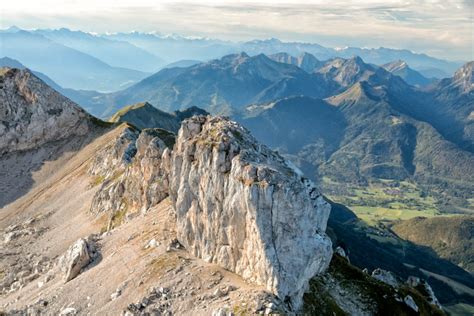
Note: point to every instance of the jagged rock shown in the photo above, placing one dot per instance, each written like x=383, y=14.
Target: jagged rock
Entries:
x=75, y=258
x=386, y=277
x=134, y=176
x=115, y=294
x=33, y=114
x=416, y=282
x=431, y=295
x=238, y=204
x=413, y=281
x=411, y=303
x=242, y=206
x=340, y=251
x=117, y=154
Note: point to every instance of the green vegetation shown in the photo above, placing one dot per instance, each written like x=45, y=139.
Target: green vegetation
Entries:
x=450, y=237
x=379, y=296
x=164, y=263
x=100, y=123
x=167, y=137
x=383, y=249
x=460, y=309
x=384, y=200
x=99, y=179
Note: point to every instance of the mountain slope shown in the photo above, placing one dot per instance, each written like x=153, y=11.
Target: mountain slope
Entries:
x=36, y=125
x=410, y=76
x=83, y=71
x=112, y=52
x=220, y=86
x=451, y=237
x=371, y=134
x=83, y=97
x=144, y=115
x=174, y=48
x=305, y=61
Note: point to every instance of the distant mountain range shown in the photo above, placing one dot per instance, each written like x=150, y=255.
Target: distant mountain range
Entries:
x=227, y=84
x=176, y=47
x=83, y=97
x=401, y=69
x=113, y=52
x=219, y=86
x=110, y=62
x=67, y=66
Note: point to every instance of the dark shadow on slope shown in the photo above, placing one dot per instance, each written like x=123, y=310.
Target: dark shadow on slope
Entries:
x=399, y=256
x=17, y=168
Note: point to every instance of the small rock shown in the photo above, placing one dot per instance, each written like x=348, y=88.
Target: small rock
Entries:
x=152, y=244
x=115, y=295
x=340, y=251
x=222, y=311
x=411, y=303
x=68, y=311
x=386, y=277
x=413, y=281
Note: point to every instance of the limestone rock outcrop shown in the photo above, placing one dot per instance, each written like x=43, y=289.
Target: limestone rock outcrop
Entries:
x=33, y=114
x=237, y=203
x=74, y=259
x=242, y=206
x=133, y=176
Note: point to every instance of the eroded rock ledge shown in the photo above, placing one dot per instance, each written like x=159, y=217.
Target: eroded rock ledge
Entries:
x=237, y=203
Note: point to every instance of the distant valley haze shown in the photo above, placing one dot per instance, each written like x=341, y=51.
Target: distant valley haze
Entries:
x=441, y=28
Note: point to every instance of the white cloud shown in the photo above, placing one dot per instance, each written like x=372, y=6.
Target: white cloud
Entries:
x=443, y=28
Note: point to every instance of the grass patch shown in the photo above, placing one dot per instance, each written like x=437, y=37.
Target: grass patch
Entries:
x=460, y=309
x=100, y=123
x=384, y=200
x=164, y=263
x=99, y=179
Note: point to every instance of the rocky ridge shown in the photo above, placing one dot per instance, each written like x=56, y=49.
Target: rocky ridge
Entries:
x=33, y=114
x=242, y=206
x=237, y=203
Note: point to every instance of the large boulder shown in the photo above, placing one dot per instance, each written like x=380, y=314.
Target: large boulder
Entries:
x=242, y=206
x=74, y=259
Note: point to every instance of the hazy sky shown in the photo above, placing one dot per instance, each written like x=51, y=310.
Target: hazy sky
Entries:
x=442, y=28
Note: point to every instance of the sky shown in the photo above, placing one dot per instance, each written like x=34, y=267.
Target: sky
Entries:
x=441, y=28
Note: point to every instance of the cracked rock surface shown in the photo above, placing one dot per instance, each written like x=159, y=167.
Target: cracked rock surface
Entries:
x=242, y=206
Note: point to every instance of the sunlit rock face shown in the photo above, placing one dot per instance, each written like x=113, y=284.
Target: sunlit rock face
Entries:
x=242, y=206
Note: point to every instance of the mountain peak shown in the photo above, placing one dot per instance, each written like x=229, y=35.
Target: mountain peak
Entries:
x=395, y=65
x=463, y=77
x=356, y=59
x=31, y=107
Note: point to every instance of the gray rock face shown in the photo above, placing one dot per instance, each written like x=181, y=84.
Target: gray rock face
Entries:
x=75, y=258
x=134, y=176
x=32, y=113
x=386, y=277
x=411, y=303
x=240, y=205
